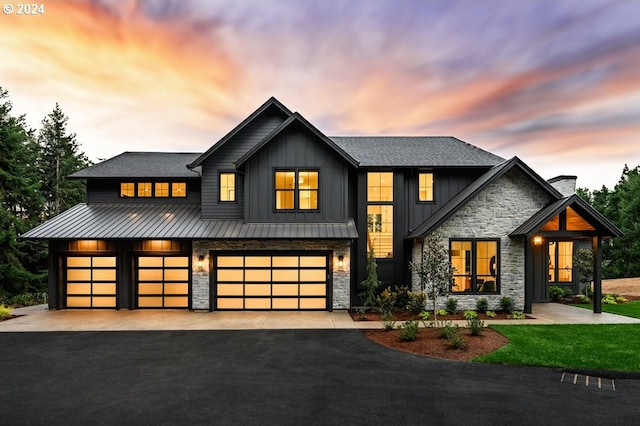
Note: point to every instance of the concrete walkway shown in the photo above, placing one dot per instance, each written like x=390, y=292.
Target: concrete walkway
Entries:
x=39, y=318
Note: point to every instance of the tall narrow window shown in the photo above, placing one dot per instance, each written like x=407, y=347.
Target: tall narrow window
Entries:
x=308, y=189
x=476, y=266
x=561, y=261
x=144, y=189
x=161, y=189
x=425, y=186
x=380, y=213
x=227, y=187
x=127, y=189
x=178, y=189
x=285, y=189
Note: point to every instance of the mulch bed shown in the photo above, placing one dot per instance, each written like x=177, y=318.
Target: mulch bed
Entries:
x=10, y=317
x=404, y=316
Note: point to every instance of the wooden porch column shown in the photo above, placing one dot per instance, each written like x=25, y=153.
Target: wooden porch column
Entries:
x=597, y=275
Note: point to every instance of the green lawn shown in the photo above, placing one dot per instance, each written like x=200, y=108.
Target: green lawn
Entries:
x=629, y=309
x=607, y=346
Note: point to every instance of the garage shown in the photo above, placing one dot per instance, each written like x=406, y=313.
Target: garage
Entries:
x=90, y=281
x=271, y=282
x=162, y=282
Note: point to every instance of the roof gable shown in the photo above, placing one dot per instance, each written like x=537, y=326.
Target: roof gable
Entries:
x=294, y=119
x=272, y=104
x=602, y=226
x=457, y=202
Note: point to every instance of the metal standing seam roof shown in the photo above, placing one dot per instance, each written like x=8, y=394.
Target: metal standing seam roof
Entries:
x=179, y=221
x=415, y=151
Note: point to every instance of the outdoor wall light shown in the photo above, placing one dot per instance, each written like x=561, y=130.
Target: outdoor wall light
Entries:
x=537, y=240
x=200, y=263
x=341, y=262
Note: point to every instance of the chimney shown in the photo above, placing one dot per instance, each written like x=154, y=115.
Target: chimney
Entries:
x=565, y=184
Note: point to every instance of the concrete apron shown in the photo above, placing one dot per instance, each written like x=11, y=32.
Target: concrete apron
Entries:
x=39, y=318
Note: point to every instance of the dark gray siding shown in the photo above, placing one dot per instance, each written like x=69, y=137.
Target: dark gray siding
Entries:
x=108, y=191
x=223, y=159
x=295, y=149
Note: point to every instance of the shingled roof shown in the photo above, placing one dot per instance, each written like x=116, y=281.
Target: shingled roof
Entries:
x=418, y=151
x=142, y=165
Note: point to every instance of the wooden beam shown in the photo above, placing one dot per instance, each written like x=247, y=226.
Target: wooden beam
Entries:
x=597, y=275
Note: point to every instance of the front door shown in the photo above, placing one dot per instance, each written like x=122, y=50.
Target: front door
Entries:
x=540, y=273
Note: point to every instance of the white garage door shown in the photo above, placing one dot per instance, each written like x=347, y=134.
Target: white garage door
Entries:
x=271, y=282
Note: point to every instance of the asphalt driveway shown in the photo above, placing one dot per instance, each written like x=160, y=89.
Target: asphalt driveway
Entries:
x=278, y=377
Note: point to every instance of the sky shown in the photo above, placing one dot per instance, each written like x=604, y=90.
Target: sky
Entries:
x=556, y=83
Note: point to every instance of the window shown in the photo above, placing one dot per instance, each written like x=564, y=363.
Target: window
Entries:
x=425, y=186
x=162, y=189
x=297, y=188
x=561, y=261
x=476, y=264
x=380, y=214
x=227, y=187
x=127, y=189
x=178, y=189
x=144, y=189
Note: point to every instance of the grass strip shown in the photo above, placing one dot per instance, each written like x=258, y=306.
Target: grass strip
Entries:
x=629, y=309
x=602, y=346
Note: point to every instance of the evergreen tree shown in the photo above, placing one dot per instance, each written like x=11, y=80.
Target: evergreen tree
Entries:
x=20, y=203
x=60, y=157
x=371, y=283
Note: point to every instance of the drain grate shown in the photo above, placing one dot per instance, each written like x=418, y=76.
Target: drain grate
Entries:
x=591, y=381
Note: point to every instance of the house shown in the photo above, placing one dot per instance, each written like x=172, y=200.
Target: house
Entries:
x=277, y=215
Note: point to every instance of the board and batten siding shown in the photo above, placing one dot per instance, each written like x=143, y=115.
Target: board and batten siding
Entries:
x=108, y=191
x=295, y=148
x=223, y=159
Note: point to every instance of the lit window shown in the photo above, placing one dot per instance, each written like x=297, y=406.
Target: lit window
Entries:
x=285, y=189
x=162, y=189
x=425, y=186
x=227, y=187
x=178, y=189
x=380, y=186
x=380, y=230
x=308, y=190
x=127, y=189
x=561, y=261
x=476, y=266
x=144, y=189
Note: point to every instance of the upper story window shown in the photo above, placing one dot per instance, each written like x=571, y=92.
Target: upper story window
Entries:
x=476, y=264
x=153, y=189
x=227, y=187
x=380, y=213
x=296, y=189
x=425, y=186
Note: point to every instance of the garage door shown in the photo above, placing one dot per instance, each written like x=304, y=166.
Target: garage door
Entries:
x=259, y=282
x=163, y=282
x=91, y=281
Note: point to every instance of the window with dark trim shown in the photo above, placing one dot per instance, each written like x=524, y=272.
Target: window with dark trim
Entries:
x=425, y=186
x=178, y=189
x=127, y=189
x=296, y=189
x=153, y=189
x=477, y=266
x=560, y=261
x=144, y=189
x=227, y=187
x=161, y=189
x=380, y=213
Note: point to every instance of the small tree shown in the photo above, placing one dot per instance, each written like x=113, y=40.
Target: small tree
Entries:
x=371, y=283
x=434, y=270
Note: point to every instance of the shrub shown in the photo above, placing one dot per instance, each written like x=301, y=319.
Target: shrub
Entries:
x=409, y=331
x=584, y=299
x=621, y=299
x=491, y=314
x=27, y=299
x=5, y=312
x=482, y=305
x=587, y=291
x=475, y=326
x=609, y=299
x=517, y=315
x=401, y=297
x=470, y=314
x=388, y=321
x=506, y=303
x=456, y=341
x=451, y=306
x=386, y=301
x=362, y=314
x=556, y=293
x=417, y=302
x=446, y=329
x=441, y=312
x=424, y=317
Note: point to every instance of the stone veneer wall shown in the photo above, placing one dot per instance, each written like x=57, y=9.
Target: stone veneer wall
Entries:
x=341, y=277
x=493, y=214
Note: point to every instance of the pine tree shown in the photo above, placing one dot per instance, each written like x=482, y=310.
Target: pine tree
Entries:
x=60, y=157
x=371, y=283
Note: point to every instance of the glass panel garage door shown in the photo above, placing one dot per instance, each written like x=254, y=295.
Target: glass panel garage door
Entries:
x=91, y=282
x=163, y=282
x=259, y=282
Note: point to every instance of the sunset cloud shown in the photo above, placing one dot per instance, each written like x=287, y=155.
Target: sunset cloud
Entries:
x=555, y=83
